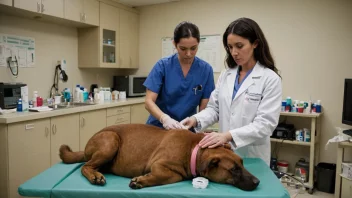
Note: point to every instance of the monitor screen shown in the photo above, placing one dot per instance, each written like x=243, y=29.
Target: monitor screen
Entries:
x=347, y=103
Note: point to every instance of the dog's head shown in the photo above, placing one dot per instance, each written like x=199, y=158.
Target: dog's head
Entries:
x=222, y=165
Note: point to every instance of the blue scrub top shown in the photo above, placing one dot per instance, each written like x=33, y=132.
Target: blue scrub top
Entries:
x=179, y=96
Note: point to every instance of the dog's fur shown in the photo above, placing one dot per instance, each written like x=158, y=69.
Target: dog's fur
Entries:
x=152, y=156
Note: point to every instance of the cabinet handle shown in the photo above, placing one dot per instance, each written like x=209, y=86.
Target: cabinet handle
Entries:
x=54, y=129
x=46, y=131
x=38, y=7
x=43, y=8
x=85, y=17
x=83, y=122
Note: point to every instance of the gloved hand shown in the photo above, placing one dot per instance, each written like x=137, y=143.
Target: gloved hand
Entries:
x=189, y=122
x=169, y=123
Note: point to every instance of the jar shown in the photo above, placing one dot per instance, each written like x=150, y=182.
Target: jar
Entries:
x=282, y=166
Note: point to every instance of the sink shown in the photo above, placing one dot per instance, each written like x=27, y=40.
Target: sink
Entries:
x=71, y=105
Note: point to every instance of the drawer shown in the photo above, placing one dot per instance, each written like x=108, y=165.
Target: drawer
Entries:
x=118, y=110
x=346, y=188
x=124, y=118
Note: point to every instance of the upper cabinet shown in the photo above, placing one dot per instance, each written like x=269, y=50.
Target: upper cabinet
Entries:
x=47, y=7
x=114, y=44
x=84, y=11
x=129, y=29
x=6, y=2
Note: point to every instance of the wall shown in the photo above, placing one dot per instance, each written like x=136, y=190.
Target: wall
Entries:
x=53, y=42
x=310, y=42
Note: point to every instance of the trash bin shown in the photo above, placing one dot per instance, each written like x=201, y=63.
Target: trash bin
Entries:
x=326, y=173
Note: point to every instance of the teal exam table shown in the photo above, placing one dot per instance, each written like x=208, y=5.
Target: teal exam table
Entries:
x=66, y=181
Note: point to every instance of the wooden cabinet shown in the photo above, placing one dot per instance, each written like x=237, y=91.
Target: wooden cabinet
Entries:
x=115, y=44
x=90, y=123
x=129, y=34
x=64, y=130
x=47, y=7
x=28, y=151
x=139, y=114
x=99, y=47
x=85, y=11
x=6, y=2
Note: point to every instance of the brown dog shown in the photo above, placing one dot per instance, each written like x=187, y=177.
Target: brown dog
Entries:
x=153, y=156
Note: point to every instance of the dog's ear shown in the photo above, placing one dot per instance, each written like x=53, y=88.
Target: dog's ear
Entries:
x=209, y=163
x=227, y=146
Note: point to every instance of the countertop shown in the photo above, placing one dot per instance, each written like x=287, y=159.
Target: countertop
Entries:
x=24, y=116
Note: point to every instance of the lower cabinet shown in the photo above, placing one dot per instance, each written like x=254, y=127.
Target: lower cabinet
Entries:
x=90, y=122
x=139, y=115
x=28, y=152
x=64, y=130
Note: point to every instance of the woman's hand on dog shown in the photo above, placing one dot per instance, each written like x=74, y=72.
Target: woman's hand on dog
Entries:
x=215, y=139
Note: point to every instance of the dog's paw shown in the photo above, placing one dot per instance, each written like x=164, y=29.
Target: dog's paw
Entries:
x=134, y=184
x=98, y=179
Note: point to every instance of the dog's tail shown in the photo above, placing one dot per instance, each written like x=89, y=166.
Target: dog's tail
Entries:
x=69, y=157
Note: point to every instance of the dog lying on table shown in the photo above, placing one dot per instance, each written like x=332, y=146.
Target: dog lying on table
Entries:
x=153, y=156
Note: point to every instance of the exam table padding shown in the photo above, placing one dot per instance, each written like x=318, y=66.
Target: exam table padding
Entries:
x=66, y=181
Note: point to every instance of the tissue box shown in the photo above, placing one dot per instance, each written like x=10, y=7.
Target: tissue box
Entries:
x=347, y=170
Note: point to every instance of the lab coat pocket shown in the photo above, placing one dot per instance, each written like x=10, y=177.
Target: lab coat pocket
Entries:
x=251, y=103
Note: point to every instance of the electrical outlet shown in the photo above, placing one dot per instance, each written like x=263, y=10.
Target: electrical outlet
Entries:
x=63, y=64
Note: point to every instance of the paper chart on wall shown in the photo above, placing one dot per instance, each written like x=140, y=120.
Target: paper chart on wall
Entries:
x=18, y=48
x=208, y=49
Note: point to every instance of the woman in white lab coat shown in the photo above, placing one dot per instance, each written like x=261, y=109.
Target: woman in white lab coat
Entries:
x=247, y=99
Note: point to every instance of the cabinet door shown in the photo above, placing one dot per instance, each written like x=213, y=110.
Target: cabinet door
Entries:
x=64, y=130
x=109, y=36
x=53, y=8
x=74, y=10
x=30, y=5
x=139, y=115
x=29, y=151
x=90, y=123
x=91, y=12
x=6, y=2
x=129, y=26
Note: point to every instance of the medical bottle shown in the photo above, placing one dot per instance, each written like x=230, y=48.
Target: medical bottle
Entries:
x=35, y=96
x=19, y=105
x=76, y=96
x=85, y=95
x=67, y=94
x=81, y=96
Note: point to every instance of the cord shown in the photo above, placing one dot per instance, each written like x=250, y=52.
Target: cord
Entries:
x=9, y=64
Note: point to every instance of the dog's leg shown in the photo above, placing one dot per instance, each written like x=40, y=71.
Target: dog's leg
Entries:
x=100, y=149
x=159, y=175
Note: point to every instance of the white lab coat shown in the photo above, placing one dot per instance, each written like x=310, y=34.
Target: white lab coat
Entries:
x=251, y=116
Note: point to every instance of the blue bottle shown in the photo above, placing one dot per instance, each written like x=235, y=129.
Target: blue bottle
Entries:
x=19, y=105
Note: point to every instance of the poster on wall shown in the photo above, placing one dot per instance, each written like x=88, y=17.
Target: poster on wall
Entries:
x=208, y=49
x=18, y=48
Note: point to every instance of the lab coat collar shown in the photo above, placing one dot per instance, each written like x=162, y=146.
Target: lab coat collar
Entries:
x=256, y=73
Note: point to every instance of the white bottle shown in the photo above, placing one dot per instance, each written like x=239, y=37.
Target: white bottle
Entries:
x=35, y=95
x=81, y=95
x=76, y=96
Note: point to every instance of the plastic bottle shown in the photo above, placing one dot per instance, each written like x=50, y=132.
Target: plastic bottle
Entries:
x=35, y=96
x=19, y=105
x=85, y=95
x=67, y=94
x=76, y=96
x=81, y=97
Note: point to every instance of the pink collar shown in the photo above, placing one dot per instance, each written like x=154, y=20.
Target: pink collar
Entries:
x=194, y=160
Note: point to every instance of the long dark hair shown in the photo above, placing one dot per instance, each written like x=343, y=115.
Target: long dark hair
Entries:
x=186, y=29
x=249, y=29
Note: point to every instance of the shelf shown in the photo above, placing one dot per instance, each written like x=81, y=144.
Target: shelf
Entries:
x=108, y=45
x=308, y=115
x=290, y=142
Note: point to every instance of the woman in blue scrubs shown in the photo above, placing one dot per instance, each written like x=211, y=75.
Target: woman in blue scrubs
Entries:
x=179, y=83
